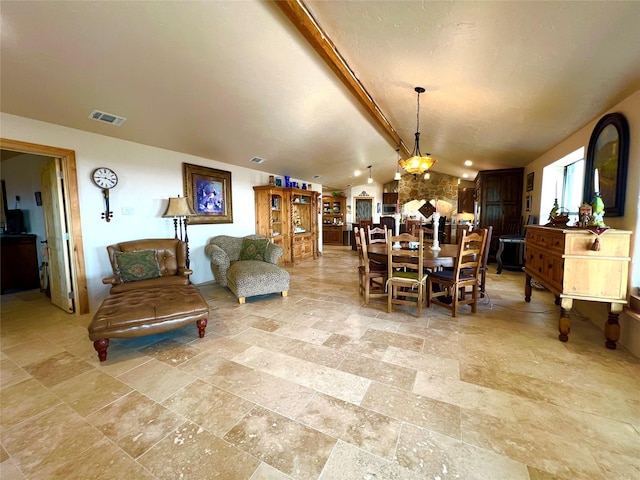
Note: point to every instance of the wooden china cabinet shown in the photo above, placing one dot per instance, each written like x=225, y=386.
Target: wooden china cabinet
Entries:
x=333, y=219
x=288, y=216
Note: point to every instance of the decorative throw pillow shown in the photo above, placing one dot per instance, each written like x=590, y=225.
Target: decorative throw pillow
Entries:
x=138, y=265
x=254, y=249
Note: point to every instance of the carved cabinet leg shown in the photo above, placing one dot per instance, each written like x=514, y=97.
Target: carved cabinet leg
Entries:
x=101, y=347
x=612, y=327
x=202, y=324
x=527, y=288
x=564, y=324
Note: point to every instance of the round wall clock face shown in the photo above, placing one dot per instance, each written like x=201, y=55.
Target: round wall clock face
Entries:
x=104, y=177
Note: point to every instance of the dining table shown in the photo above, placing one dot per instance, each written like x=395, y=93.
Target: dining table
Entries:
x=433, y=259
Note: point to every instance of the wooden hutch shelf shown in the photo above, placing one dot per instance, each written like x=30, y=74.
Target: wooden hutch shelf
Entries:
x=288, y=216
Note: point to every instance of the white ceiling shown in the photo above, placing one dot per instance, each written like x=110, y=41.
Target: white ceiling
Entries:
x=230, y=80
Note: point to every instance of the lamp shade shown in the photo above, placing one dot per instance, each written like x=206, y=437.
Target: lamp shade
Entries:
x=178, y=207
x=417, y=164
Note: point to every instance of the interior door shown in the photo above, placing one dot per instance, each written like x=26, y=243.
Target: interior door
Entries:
x=364, y=208
x=57, y=235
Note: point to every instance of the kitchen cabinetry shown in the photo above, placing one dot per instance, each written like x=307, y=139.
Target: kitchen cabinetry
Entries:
x=565, y=262
x=389, y=198
x=333, y=219
x=466, y=197
x=19, y=262
x=499, y=197
x=288, y=216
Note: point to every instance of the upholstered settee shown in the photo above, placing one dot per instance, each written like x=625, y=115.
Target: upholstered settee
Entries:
x=147, y=263
x=248, y=266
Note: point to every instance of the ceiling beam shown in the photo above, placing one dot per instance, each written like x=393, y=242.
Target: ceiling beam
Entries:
x=303, y=20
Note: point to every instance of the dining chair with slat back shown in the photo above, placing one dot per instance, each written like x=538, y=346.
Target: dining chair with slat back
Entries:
x=427, y=231
x=366, y=222
x=485, y=261
x=410, y=223
x=406, y=280
x=377, y=235
x=373, y=275
x=356, y=233
x=453, y=284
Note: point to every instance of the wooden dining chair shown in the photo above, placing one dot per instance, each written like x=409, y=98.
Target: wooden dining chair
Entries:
x=372, y=274
x=427, y=231
x=356, y=233
x=453, y=284
x=366, y=222
x=485, y=255
x=410, y=223
x=376, y=235
x=485, y=261
x=406, y=280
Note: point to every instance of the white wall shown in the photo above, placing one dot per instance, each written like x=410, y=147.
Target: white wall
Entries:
x=147, y=177
x=630, y=108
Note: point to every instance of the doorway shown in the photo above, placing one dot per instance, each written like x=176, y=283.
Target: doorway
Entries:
x=364, y=208
x=71, y=210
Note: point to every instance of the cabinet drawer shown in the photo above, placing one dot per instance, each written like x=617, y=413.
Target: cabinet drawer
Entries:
x=551, y=241
x=548, y=267
x=600, y=278
x=611, y=245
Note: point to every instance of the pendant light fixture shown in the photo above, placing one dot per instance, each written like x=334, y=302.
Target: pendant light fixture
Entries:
x=417, y=164
x=397, y=175
x=369, y=180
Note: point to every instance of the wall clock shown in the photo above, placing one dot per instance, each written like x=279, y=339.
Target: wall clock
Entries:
x=106, y=179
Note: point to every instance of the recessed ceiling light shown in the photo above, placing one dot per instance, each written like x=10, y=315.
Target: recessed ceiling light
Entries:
x=464, y=175
x=356, y=173
x=468, y=163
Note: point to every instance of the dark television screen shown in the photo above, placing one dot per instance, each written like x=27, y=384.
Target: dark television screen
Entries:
x=15, y=221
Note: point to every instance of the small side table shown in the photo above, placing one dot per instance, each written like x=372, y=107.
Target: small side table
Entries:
x=518, y=240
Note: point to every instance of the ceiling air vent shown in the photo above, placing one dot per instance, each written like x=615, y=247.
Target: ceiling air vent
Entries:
x=107, y=118
x=257, y=160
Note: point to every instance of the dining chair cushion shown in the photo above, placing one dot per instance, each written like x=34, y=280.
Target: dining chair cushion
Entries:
x=448, y=274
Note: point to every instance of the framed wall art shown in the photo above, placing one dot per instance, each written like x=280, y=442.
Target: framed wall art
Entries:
x=609, y=153
x=530, y=182
x=208, y=192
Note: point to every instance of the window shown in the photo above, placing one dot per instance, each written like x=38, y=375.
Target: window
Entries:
x=563, y=181
x=573, y=176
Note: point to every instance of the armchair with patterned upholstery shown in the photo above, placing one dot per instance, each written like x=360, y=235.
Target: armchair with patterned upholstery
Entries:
x=248, y=265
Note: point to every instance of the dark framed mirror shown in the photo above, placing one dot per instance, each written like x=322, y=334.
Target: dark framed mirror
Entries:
x=609, y=153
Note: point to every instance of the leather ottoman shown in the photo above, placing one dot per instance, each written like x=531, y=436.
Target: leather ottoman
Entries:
x=146, y=311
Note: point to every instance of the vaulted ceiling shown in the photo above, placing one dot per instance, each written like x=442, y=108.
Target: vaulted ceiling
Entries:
x=233, y=80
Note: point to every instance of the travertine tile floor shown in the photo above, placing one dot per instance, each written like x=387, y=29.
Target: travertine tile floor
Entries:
x=316, y=385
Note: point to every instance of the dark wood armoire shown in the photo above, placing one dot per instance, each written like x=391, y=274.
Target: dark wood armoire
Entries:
x=499, y=198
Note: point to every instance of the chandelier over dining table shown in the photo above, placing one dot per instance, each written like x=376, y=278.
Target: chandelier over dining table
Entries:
x=417, y=163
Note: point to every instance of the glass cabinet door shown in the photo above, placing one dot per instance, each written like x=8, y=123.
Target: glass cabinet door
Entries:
x=276, y=215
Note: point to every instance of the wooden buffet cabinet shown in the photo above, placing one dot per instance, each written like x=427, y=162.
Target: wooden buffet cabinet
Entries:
x=288, y=216
x=564, y=261
x=19, y=256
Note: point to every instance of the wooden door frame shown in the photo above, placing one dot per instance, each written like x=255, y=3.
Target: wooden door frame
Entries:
x=69, y=172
